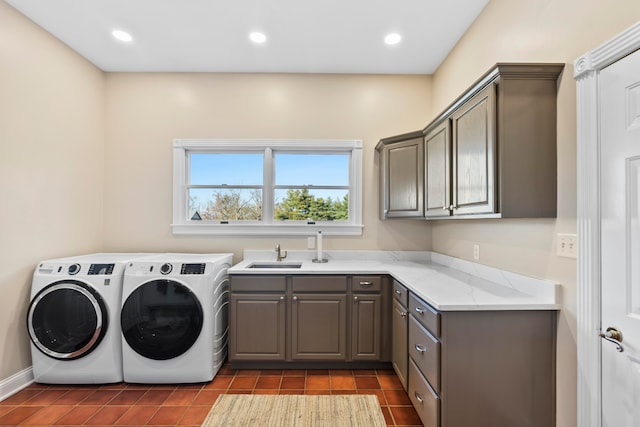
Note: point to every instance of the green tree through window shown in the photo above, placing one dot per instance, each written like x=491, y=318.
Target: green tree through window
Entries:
x=302, y=205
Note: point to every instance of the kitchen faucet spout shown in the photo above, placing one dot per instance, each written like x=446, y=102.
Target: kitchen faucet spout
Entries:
x=280, y=254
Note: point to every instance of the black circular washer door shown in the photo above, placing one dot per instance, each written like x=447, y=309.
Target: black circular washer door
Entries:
x=161, y=319
x=67, y=320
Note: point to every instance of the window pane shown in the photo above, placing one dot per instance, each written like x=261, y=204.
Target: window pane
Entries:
x=228, y=204
x=312, y=169
x=230, y=169
x=315, y=205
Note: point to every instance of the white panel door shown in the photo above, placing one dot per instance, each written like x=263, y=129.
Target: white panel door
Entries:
x=619, y=93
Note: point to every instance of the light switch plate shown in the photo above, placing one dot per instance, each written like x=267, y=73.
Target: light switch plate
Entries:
x=567, y=245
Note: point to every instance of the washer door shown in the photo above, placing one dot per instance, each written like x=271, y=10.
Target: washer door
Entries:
x=161, y=319
x=67, y=320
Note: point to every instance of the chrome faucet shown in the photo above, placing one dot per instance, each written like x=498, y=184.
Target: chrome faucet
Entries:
x=280, y=255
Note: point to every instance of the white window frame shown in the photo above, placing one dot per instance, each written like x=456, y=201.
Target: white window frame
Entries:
x=182, y=225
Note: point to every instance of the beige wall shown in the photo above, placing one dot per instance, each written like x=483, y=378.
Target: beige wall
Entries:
x=532, y=31
x=145, y=112
x=51, y=167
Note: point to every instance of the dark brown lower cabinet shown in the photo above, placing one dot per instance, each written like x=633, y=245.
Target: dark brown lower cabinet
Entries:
x=366, y=318
x=257, y=327
x=482, y=368
x=308, y=319
x=400, y=354
x=318, y=327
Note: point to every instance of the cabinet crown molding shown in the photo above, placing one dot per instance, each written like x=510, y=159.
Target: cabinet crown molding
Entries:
x=398, y=138
x=503, y=71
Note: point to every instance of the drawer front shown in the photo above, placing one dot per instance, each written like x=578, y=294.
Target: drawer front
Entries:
x=424, y=398
x=424, y=349
x=425, y=314
x=319, y=283
x=400, y=293
x=251, y=283
x=366, y=284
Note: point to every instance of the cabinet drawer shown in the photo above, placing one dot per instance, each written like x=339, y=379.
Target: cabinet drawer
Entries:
x=424, y=349
x=366, y=284
x=400, y=293
x=258, y=283
x=319, y=284
x=425, y=400
x=425, y=314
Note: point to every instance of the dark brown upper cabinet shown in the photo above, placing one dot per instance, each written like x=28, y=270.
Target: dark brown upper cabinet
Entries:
x=401, y=162
x=490, y=154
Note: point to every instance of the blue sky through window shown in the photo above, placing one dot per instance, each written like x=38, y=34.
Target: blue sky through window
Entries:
x=231, y=169
x=312, y=169
x=290, y=169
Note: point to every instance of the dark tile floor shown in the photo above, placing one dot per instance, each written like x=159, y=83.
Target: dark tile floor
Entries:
x=187, y=405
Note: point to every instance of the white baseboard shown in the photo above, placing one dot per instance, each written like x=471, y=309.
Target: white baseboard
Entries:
x=15, y=383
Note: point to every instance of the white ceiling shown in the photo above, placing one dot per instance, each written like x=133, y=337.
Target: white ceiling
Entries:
x=327, y=36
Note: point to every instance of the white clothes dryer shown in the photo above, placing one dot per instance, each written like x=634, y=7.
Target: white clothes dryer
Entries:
x=74, y=319
x=174, y=318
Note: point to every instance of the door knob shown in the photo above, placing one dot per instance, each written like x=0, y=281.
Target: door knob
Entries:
x=613, y=335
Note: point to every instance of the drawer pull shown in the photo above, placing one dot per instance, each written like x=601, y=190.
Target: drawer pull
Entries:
x=418, y=397
x=419, y=310
x=295, y=298
x=420, y=348
x=397, y=292
x=403, y=314
x=281, y=298
x=366, y=283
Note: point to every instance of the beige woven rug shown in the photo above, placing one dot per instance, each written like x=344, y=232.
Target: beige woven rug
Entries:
x=231, y=410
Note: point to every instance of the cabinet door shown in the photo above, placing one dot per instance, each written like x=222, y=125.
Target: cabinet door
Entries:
x=474, y=151
x=318, y=326
x=437, y=171
x=257, y=327
x=365, y=326
x=400, y=354
x=404, y=171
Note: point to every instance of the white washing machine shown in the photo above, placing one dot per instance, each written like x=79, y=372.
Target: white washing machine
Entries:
x=174, y=318
x=74, y=319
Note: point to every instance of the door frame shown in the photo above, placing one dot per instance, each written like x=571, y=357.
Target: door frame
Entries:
x=586, y=73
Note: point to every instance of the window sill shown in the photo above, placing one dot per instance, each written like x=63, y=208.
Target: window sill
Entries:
x=265, y=230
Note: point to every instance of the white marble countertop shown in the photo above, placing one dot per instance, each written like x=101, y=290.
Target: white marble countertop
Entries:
x=447, y=283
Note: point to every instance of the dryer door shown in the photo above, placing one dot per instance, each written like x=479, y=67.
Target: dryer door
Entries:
x=67, y=320
x=161, y=319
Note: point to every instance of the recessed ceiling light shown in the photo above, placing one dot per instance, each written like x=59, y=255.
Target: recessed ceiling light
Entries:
x=123, y=36
x=258, y=37
x=392, y=38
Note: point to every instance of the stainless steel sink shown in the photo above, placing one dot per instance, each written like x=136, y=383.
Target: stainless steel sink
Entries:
x=274, y=265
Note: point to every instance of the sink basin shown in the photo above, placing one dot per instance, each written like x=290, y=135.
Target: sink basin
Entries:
x=275, y=265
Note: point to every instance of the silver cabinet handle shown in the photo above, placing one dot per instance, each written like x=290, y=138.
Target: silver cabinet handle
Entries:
x=281, y=298
x=355, y=299
x=420, y=348
x=397, y=292
x=366, y=283
x=419, y=310
x=418, y=397
x=295, y=298
x=403, y=314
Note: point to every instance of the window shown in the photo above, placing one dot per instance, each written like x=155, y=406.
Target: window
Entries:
x=267, y=187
